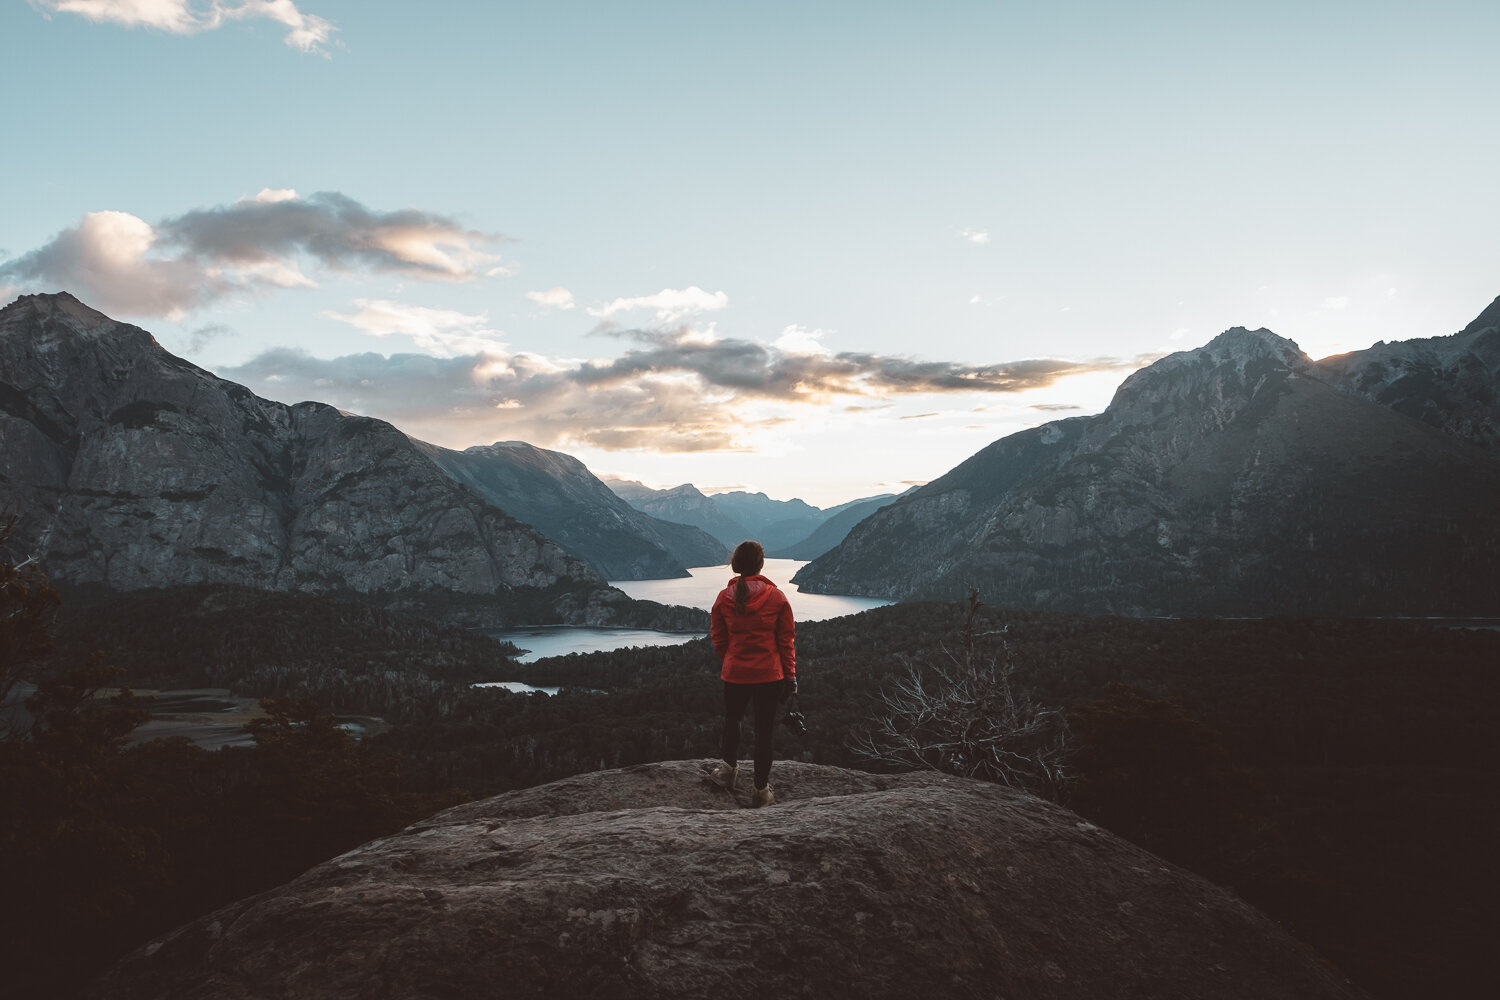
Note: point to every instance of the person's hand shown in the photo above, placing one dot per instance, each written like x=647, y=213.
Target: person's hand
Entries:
x=788, y=687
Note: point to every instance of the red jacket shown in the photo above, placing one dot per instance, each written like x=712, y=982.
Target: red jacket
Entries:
x=759, y=645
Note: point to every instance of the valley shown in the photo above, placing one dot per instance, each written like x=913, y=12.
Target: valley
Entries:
x=1236, y=583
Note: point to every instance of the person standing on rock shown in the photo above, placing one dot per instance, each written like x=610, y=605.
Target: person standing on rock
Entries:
x=753, y=633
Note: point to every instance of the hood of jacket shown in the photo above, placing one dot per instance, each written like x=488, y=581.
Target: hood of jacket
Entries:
x=760, y=588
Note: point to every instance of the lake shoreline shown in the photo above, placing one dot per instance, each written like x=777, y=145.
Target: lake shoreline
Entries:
x=697, y=591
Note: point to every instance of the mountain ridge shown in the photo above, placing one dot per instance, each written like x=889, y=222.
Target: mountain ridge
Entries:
x=557, y=494
x=133, y=468
x=1238, y=478
x=786, y=528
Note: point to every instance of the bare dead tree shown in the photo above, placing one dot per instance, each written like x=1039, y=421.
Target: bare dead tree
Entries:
x=968, y=716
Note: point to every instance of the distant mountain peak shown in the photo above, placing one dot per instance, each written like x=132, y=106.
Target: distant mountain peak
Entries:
x=45, y=305
x=1238, y=356
x=1242, y=341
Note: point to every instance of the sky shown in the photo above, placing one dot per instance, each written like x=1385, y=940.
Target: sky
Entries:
x=814, y=249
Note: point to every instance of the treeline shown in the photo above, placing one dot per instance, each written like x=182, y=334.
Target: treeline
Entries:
x=340, y=653
x=1338, y=774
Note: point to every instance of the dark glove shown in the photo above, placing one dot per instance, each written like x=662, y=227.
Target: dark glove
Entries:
x=788, y=687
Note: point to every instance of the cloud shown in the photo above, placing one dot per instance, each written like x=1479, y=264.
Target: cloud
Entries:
x=123, y=264
x=104, y=259
x=670, y=304
x=553, y=298
x=798, y=340
x=1336, y=302
x=442, y=332
x=673, y=391
x=975, y=236
x=205, y=335
x=1055, y=407
x=306, y=32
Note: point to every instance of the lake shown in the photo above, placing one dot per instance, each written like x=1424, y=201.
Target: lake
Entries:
x=695, y=591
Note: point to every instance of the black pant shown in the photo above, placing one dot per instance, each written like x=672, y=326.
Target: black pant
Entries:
x=766, y=697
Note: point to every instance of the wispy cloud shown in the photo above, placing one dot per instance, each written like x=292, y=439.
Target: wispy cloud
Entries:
x=975, y=236
x=1336, y=302
x=675, y=390
x=124, y=264
x=553, y=298
x=670, y=304
x=306, y=32
x=205, y=335
x=443, y=332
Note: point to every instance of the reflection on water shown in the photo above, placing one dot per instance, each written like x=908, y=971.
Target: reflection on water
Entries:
x=560, y=640
x=517, y=687
x=703, y=586
x=696, y=591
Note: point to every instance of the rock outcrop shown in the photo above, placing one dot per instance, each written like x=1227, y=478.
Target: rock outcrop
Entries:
x=131, y=468
x=1236, y=479
x=649, y=882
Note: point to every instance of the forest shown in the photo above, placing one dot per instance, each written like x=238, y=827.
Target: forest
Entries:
x=1336, y=773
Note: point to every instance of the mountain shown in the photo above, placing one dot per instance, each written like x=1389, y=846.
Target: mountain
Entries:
x=773, y=523
x=650, y=882
x=131, y=468
x=783, y=527
x=1451, y=383
x=834, y=528
x=683, y=504
x=1236, y=479
x=557, y=495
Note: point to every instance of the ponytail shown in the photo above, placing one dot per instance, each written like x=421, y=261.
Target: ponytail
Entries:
x=748, y=559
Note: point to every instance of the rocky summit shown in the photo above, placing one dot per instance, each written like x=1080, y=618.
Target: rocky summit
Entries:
x=651, y=882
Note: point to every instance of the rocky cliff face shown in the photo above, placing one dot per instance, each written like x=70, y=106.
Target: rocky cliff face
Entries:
x=1234, y=479
x=557, y=494
x=649, y=882
x=132, y=468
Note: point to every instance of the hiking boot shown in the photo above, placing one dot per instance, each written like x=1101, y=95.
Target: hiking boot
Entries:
x=762, y=797
x=724, y=775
